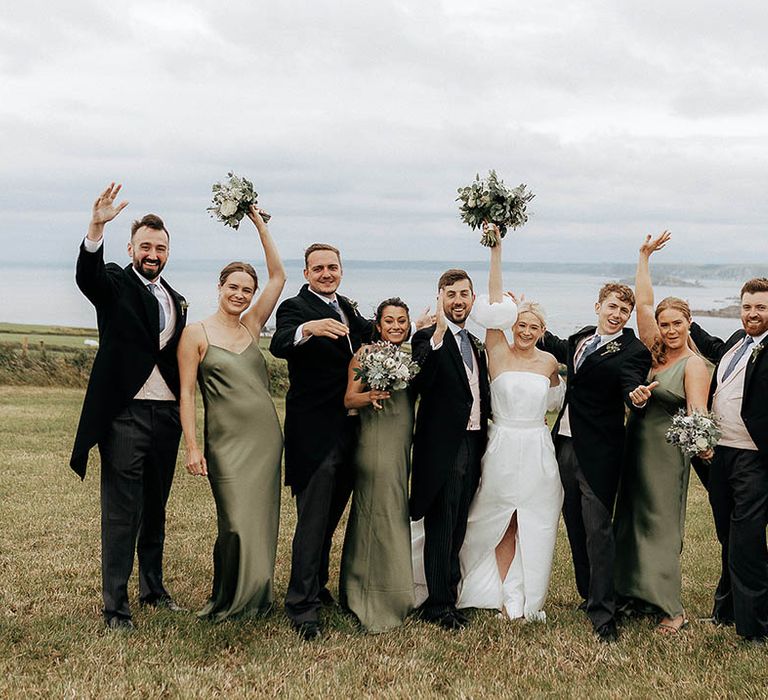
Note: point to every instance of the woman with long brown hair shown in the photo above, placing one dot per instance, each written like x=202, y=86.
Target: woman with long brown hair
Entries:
x=650, y=509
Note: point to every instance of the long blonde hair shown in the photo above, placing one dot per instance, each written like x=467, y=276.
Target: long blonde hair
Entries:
x=659, y=349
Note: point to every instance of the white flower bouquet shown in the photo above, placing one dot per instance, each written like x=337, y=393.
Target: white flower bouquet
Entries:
x=694, y=433
x=492, y=201
x=385, y=367
x=232, y=199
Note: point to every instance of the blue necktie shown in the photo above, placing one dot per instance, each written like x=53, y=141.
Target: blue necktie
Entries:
x=737, y=356
x=334, y=304
x=589, y=347
x=161, y=311
x=466, y=349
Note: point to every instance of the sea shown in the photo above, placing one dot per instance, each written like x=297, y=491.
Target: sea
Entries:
x=45, y=293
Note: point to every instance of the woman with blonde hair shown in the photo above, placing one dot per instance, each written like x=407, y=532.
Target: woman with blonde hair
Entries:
x=650, y=509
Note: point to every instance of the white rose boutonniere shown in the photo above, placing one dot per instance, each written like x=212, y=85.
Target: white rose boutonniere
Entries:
x=611, y=348
x=756, y=352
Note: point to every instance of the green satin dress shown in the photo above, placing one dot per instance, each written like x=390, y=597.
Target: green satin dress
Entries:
x=650, y=509
x=376, y=580
x=243, y=448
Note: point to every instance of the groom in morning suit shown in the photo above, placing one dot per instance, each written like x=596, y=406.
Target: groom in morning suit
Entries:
x=605, y=363
x=450, y=438
x=738, y=474
x=131, y=405
x=317, y=332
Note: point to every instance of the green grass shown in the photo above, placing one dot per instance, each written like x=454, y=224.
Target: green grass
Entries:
x=52, y=643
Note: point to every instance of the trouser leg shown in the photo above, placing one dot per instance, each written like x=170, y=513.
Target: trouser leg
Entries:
x=158, y=477
x=572, y=513
x=313, y=510
x=123, y=451
x=445, y=524
x=721, y=502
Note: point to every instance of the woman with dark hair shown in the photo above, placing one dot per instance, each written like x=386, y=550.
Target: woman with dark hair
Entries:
x=376, y=581
x=243, y=442
x=650, y=509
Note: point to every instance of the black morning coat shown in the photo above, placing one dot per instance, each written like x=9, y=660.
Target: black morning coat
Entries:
x=444, y=408
x=129, y=346
x=317, y=369
x=754, y=403
x=596, y=396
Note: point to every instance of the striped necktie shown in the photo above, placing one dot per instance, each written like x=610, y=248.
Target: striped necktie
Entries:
x=152, y=287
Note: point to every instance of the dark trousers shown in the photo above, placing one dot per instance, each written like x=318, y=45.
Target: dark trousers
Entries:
x=319, y=507
x=590, y=534
x=138, y=459
x=445, y=524
x=738, y=494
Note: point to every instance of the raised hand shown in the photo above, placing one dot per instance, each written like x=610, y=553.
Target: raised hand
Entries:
x=326, y=327
x=641, y=394
x=425, y=320
x=104, y=208
x=651, y=245
x=514, y=297
x=258, y=216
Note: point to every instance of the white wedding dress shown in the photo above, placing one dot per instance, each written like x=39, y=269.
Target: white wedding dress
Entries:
x=519, y=475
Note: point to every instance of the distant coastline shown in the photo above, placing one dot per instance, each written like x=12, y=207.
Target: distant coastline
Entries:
x=730, y=311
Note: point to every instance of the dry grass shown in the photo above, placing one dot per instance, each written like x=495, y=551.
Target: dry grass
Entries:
x=52, y=643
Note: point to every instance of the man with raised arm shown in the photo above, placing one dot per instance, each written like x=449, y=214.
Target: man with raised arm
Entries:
x=131, y=405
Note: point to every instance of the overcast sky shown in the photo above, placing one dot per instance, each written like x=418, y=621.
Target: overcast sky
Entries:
x=358, y=120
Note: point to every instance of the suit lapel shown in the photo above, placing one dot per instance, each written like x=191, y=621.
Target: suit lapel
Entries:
x=573, y=346
x=752, y=364
x=148, y=303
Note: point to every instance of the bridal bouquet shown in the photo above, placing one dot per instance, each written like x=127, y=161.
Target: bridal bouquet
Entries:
x=492, y=201
x=694, y=433
x=385, y=367
x=232, y=199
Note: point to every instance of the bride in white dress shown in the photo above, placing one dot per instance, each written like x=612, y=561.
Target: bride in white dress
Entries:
x=506, y=558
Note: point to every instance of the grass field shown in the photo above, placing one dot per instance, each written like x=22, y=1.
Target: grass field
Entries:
x=52, y=643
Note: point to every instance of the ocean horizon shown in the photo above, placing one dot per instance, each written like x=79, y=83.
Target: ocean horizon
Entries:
x=46, y=293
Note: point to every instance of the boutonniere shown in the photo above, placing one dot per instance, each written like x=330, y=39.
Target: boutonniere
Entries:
x=610, y=348
x=184, y=304
x=352, y=303
x=479, y=344
x=756, y=351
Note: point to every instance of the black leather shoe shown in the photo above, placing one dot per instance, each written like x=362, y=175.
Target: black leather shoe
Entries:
x=326, y=599
x=757, y=641
x=163, y=602
x=450, y=621
x=308, y=631
x=120, y=624
x=582, y=606
x=608, y=633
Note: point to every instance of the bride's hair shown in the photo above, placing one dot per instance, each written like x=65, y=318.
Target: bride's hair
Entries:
x=533, y=307
x=659, y=349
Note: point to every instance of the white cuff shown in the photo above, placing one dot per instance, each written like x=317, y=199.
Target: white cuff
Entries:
x=92, y=246
x=298, y=336
x=497, y=316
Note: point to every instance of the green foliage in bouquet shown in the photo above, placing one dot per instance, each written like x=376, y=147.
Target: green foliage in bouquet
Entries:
x=492, y=201
x=232, y=199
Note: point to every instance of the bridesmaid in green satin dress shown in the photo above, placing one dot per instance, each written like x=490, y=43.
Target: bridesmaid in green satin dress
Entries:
x=243, y=441
x=376, y=580
x=650, y=508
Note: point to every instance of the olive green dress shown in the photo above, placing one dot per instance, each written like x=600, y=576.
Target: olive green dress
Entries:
x=243, y=448
x=650, y=509
x=376, y=580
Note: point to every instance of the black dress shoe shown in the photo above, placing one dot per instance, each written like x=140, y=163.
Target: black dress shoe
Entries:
x=326, y=599
x=164, y=602
x=308, y=631
x=755, y=641
x=120, y=624
x=608, y=633
x=582, y=606
x=450, y=621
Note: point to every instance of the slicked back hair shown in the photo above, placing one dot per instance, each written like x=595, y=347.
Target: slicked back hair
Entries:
x=238, y=266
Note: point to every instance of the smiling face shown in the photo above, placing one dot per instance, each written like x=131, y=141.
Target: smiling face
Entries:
x=148, y=249
x=612, y=314
x=674, y=328
x=323, y=272
x=754, y=312
x=457, y=301
x=236, y=293
x=527, y=330
x=394, y=325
